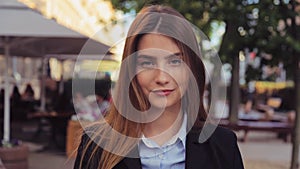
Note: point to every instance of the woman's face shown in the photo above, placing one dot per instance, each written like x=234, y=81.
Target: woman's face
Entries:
x=161, y=72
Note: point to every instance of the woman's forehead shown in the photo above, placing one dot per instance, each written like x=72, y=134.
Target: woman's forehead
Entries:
x=158, y=42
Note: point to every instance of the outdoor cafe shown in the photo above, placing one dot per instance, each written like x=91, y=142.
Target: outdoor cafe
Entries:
x=269, y=108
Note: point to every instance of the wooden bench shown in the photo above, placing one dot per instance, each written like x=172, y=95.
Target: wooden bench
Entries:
x=284, y=128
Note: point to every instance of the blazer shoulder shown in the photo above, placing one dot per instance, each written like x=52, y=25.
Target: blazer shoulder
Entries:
x=220, y=143
x=224, y=134
x=224, y=144
x=214, y=133
x=86, y=156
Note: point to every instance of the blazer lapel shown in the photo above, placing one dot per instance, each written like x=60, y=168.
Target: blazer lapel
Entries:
x=198, y=155
x=133, y=163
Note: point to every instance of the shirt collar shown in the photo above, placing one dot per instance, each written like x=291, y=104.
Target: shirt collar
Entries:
x=181, y=135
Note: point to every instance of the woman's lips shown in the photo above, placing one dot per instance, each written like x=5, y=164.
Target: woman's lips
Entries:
x=164, y=92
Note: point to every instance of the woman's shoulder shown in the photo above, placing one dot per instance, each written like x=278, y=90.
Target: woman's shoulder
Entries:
x=223, y=143
x=222, y=132
x=88, y=148
x=224, y=137
x=90, y=134
x=215, y=134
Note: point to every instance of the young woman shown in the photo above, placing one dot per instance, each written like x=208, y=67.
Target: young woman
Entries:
x=157, y=113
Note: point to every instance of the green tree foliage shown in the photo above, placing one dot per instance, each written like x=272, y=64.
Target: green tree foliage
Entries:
x=267, y=25
x=262, y=24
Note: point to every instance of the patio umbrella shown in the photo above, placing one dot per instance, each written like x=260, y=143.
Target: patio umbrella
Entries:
x=24, y=32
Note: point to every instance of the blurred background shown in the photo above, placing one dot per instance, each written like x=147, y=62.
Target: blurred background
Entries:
x=257, y=84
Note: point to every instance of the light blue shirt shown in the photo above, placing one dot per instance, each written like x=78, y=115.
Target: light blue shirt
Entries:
x=171, y=155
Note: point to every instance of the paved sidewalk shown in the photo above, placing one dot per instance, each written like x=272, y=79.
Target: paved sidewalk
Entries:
x=48, y=160
x=261, y=151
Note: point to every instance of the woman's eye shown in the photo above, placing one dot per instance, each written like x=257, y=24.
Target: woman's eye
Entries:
x=146, y=64
x=175, y=62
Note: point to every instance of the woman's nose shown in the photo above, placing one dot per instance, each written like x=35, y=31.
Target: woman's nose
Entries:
x=162, y=77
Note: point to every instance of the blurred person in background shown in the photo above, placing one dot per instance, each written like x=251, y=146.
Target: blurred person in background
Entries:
x=28, y=94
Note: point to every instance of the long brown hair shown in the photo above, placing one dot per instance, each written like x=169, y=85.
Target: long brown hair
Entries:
x=160, y=20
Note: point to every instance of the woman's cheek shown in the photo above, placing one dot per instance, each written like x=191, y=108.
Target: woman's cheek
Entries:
x=182, y=80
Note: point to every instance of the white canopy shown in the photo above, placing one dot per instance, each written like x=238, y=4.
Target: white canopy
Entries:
x=31, y=34
x=24, y=32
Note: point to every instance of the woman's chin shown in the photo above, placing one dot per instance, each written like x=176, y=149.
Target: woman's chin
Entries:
x=162, y=105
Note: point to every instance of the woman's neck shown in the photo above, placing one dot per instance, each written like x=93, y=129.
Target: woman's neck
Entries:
x=165, y=127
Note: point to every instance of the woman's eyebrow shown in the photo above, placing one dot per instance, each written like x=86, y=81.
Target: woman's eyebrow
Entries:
x=144, y=56
x=148, y=56
x=173, y=55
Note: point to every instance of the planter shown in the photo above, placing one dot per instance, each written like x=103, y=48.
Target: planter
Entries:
x=15, y=157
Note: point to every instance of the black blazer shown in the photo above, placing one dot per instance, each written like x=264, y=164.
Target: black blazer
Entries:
x=220, y=151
